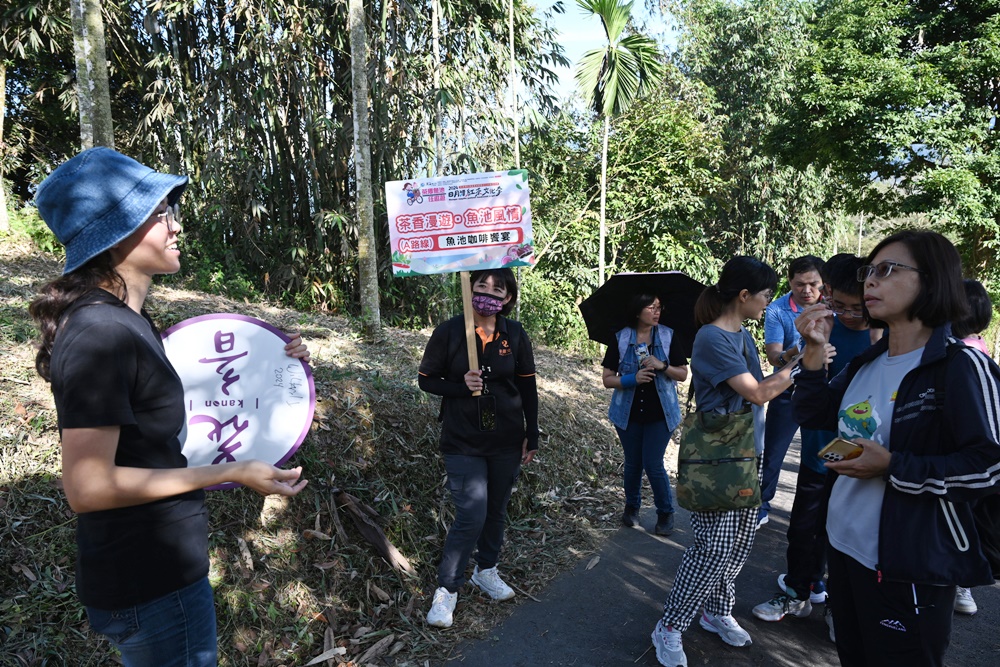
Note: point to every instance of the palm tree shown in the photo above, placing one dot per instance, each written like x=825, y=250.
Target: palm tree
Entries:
x=610, y=79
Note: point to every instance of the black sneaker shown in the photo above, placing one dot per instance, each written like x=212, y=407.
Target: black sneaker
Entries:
x=630, y=517
x=664, y=523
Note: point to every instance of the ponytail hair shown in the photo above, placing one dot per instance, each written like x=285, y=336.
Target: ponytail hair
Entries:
x=48, y=307
x=740, y=273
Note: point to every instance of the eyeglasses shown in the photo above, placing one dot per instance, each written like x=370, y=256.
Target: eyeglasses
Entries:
x=882, y=270
x=171, y=217
x=838, y=308
x=768, y=294
x=654, y=308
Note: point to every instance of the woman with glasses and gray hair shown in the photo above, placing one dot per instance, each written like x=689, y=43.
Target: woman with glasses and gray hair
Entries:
x=924, y=411
x=142, y=525
x=643, y=369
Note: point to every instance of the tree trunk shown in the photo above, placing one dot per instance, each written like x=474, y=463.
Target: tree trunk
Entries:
x=367, y=268
x=4, y=221
x=92, y=87
x=604, y=195
x=513, y=91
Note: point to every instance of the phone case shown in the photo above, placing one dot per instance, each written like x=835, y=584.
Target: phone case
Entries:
x=840, y=450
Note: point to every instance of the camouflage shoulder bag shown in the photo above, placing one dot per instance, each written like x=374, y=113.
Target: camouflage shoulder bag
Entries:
x=717, y=461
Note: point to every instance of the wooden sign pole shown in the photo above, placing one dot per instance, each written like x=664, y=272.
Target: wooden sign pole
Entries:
x=470, y=323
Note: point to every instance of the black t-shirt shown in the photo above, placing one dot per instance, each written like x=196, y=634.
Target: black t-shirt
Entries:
x=445, y=359
x=646, y=407
x=109, y=369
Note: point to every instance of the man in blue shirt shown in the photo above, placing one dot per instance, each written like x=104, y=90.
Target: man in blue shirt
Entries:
x=803, y=585
x=781, y=343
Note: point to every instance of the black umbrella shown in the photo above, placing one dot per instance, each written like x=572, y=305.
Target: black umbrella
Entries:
x=606, y=310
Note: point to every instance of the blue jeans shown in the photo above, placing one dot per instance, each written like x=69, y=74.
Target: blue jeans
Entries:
x=176, y=630
x=644, y=445
x=480, y=488
x=779, y=429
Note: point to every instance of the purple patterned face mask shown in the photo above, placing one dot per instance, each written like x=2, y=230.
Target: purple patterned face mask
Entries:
x=486, y=304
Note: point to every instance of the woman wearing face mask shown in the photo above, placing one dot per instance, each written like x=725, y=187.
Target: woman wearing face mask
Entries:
x=484, y=439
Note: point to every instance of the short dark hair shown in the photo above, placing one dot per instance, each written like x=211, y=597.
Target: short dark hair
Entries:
x=503, y=276
x=740, y=273
x=942, y=296
x=980, y=310
x=840, y=273
x=635, y=306
x=805, y=264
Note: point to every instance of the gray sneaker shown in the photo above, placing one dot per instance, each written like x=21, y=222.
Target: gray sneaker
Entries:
x=669, y=646
x=727, y=628
x=780, y=606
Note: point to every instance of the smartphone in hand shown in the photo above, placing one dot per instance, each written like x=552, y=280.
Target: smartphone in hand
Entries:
x=840, y=449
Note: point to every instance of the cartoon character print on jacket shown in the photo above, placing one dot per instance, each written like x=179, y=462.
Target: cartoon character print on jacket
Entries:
x=859, y=420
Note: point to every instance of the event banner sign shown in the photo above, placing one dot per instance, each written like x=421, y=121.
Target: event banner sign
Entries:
x=244, y=398
x=460, y=223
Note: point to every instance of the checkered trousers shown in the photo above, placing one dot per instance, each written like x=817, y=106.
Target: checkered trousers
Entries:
x=707, y=573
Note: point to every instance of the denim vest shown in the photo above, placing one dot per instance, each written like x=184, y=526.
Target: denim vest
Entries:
x=666, y=389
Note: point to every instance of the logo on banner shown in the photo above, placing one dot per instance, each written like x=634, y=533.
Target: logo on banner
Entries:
x=244, y=398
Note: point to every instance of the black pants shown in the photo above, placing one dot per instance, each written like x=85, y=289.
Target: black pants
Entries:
x=887, y=624
x=480, y=488
x=807, y=531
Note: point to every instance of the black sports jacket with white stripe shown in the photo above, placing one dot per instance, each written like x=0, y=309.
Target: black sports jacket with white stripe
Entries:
x=945, y=444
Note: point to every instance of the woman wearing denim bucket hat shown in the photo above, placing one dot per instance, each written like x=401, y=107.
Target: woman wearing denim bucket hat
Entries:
x=142, y=530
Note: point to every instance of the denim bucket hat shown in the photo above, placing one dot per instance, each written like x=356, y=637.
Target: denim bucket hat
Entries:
x=100, y=197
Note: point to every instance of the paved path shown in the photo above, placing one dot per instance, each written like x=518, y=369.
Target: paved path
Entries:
x=603, y=616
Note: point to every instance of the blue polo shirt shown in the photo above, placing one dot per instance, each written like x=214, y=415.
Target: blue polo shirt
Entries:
x=779, y=322
x=849, y=344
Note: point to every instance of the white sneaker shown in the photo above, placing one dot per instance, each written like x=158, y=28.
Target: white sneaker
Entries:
x=780, y=606
x=442, y=610
x=727, y=628
x=964, y=604
x=668, y=645
x=489, y=582
x=817, y=592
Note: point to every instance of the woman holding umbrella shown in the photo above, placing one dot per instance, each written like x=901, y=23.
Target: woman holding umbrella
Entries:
x=726, y=378
x=643, y=368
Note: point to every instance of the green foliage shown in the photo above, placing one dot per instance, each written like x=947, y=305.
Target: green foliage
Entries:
x=27, y=222
x=745, y=54
x=903, y=94
x=549, y=311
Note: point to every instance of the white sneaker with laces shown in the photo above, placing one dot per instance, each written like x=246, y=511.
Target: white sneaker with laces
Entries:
x=489, y=582
x=816, y=596
x=442, y=610
x=964, y=604
x=727, y=628
x=780, y=606
x=669, y=646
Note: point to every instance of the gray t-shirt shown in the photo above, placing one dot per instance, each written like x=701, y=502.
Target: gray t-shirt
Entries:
x=717, y=356
x=865, y=412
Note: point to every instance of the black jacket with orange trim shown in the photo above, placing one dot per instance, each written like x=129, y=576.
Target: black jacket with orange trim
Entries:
x=509, y=373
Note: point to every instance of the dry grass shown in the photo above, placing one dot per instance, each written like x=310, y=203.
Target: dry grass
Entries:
x=283, y=596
